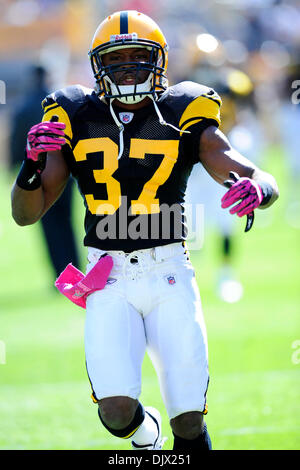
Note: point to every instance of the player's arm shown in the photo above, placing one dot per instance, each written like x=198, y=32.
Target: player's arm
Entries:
x=29, y=206
x=255, y=188
x=43, y=174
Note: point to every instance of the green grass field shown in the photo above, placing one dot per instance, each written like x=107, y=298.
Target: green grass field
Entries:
x=253, y=396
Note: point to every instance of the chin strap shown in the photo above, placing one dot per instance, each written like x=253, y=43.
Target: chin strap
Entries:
x=121, y=126
x=161, y=119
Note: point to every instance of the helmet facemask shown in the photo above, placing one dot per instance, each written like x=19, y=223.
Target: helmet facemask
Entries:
x=108, y=76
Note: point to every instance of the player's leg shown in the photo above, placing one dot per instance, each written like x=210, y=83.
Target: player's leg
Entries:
x=127, y=418
x=190, y=432
x=115, y=347
x=117, y=413
x=177, y=344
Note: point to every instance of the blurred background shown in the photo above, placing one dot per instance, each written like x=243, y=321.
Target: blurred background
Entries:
x=249, y=52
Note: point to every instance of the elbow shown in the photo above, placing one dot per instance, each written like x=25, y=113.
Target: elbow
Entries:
x=24, y=212
x=22, y=219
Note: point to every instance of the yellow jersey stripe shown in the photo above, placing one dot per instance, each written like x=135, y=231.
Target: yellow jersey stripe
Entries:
x=57, y=110
x=50, y=106
x=189, y=123
x=201, y=107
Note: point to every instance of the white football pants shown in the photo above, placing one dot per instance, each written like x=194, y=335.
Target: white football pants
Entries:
x=151, y=302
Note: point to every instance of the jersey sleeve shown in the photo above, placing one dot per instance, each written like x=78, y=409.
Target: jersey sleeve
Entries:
x=202, y=111
x=205, y=107
x=51, y=108
x=66, y=103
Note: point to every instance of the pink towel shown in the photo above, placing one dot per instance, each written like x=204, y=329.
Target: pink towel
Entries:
x=76, y=286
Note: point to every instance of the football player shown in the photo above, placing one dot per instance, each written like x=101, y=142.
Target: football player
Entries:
x=131, y=144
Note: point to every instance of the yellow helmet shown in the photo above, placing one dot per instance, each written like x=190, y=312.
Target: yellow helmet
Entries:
x=125, y=29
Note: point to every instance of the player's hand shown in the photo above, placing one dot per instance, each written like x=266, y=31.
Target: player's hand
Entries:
x=245, y=190
x=44, y=137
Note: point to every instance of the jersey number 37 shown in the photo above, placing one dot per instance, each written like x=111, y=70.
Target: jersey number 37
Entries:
x=147, y=203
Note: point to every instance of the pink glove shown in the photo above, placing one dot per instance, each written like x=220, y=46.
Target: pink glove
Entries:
x=44, y=137
x=245, y=190
x=73, y=284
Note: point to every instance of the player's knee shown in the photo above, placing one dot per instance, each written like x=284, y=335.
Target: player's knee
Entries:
x=188, y=425
x=117, y=412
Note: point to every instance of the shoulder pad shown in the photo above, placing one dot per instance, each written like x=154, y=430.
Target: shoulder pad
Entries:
x=70, y=98
x=194, y=103
x=65, y=103
x=190, y=90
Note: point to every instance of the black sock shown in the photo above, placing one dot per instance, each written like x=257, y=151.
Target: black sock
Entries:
x=201, y=442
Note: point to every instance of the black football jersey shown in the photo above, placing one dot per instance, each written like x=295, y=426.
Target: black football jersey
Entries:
x=134, y=200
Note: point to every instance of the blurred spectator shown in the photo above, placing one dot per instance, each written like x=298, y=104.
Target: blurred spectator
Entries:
x=56, y=224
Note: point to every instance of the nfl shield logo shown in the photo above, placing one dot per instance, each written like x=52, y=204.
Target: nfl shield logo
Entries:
x=126, y=118
x=170, y=279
